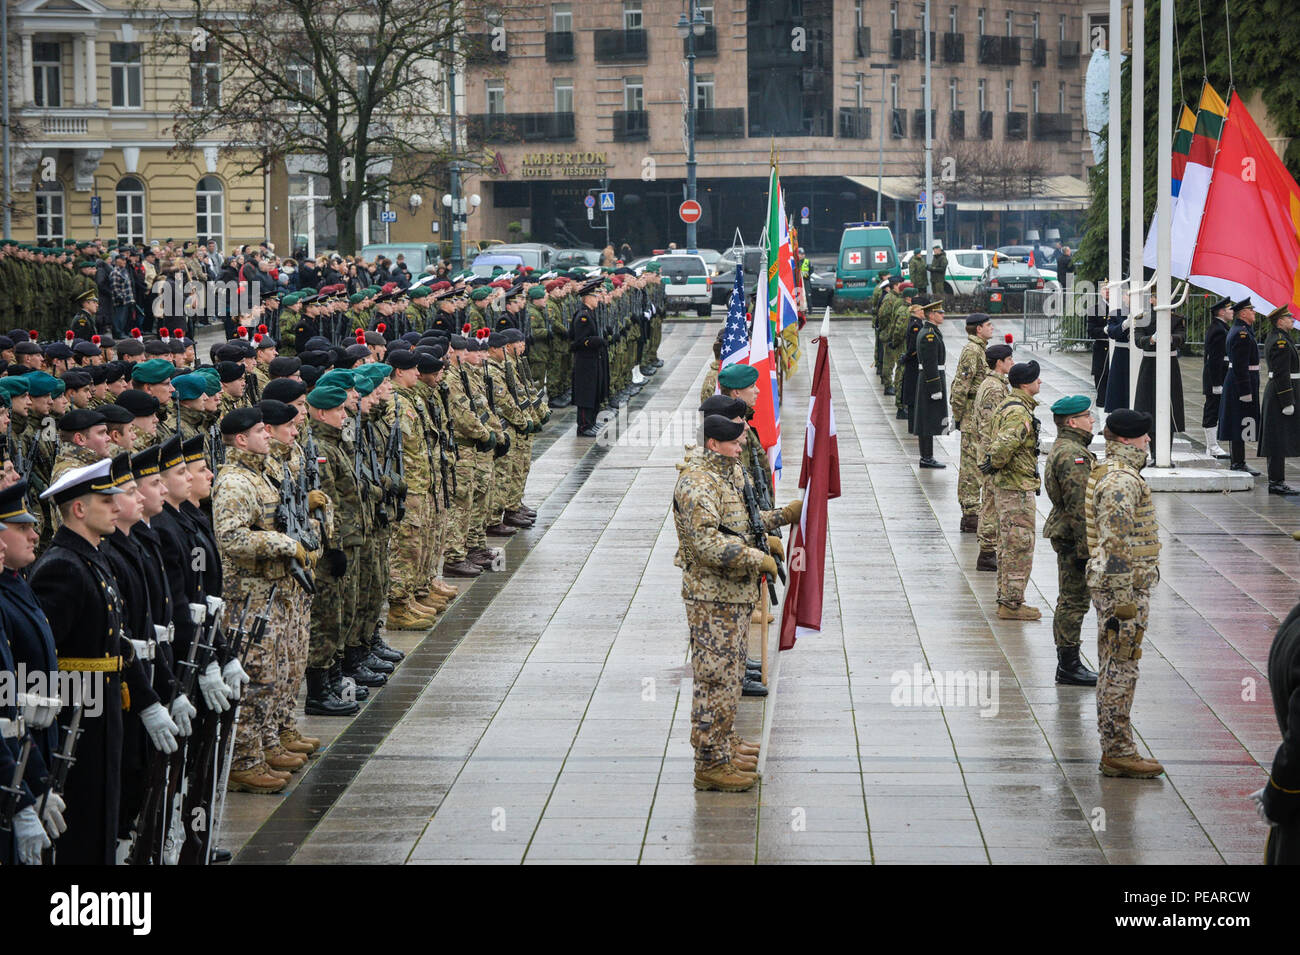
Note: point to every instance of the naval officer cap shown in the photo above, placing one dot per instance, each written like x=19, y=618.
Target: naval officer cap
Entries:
x=1127, y=423
x=1071, y=405
x=13, y=505
x=737, y=376
x=722, y=429
x=1023, y=373
x=78, y=482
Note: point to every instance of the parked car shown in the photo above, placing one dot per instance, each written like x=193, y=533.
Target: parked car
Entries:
x=750, y=257
x=820, y=287
x=485, y=262
x=575, y=259
x=867, y=253
x=1009, y=273
x=687, y=283
x=537, y=255
x=417, y=255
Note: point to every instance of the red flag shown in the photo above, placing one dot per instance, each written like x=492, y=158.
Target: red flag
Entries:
x=820, y=479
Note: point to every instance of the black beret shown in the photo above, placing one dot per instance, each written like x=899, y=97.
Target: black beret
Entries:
x=276, y=412
x=230, y=352
x=28, y=347
x=283, y=390
x=240, y=420
x=430, y=364
x=79, y=419
x=176, y=347
x=229, y=371
x=1128, y=423
x=282, y=366
x=512, y=335
x=309, y=374
x=722, y=405
x=116, y=371
x=1023, y=373
x=157, y=348
x=411, y=337
x=320, y=359
x=88, y=349
x=58, y=350
x=995, y=353
x=459, y=342
x=316, y=343
x=722, y=429
x=130, y=346
x=402, y=359
x=139, y=403
x=75, y=379
x=495, y=340
x=6, y=342
x=975, y=319
x=98, y=373
x=114, y=413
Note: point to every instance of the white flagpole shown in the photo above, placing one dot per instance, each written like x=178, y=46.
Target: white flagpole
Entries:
x=1164, y=323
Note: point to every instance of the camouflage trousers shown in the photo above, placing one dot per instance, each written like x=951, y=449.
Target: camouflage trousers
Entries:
x=987, y=530
x=462, y=506
x=539, y=360
x=293, y=646
x=651, y=352
x=719, y=645
x=435, y=542
x=521, y=459
x=557, y=378
x=891, y=356
x=1015, y=511
x=968, y=475
x=265, y=665
x=900, y=399
x=372, y=587
x=333, y=610
x=1118, y=650
x=484, y=475
x=410, y=542
x=1072, y=598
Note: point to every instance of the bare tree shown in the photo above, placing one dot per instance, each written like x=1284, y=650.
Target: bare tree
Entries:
x=985, y=170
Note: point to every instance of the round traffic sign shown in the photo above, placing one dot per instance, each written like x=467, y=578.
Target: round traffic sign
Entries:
x=589, y=202
x=803, y=213
x=690, y=211
x=939, y=200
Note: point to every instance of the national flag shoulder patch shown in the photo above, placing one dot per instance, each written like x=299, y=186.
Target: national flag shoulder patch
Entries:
x=1078, y=460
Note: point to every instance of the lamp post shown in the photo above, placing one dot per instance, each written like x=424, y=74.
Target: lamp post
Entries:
x=688, y=30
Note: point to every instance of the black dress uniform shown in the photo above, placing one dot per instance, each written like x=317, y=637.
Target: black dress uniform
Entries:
x=1279, y=434
x=590, y=386
x=930, y=400
x=1239, y=412
x=911, y=367
x=1117, y=372
x=1282, y=792
x=1096, y=330
x=33, y=781
x=1216, y=365
x=1146, y=387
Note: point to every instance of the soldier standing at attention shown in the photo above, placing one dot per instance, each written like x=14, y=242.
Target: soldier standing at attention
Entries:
x=1012, y=463
x=1216, y=366
x=916, y=268
x=987, y=398
x=1279, y=435
x=929, y=402
x=1239, y=408
x=720, y=572
x=1124, y=546
x=937, y=268
x=1068, y=465
x=971, y=370
x=1279, y=800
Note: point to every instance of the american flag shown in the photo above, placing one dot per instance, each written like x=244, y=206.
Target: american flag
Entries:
x=735, y=338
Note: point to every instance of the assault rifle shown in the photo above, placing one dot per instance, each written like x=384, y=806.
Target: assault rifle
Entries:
x=64, y=757
x=311, y=480
x=196, y=803
x=394, y=483
x=13, y=790
x=291, y=519
x=760, y=536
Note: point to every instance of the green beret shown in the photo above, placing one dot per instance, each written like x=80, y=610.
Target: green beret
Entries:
x=364, y=384
x=291, y=299
x=1071, y=405
x=652, y=267
x=497, y=270
x=377, y=370
x=536, y=292
x=14, y=385
x=211, y=380
x=356, y=297
x=326, y=397
x=480, y=293
x=337, y=377
x=152, y=372
x=39, y=384
x=418, y=293
x=737, y=376
x=191, y=386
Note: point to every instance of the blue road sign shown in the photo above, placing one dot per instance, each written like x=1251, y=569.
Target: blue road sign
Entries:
x=388, y=216
x=803, y=213
x=589, y=202
x=94, y=205
x=607, y=202
x=920, y=212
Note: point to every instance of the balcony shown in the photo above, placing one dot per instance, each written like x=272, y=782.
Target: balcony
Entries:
x=706, y=44
x=920, y=46
x=478, y=48
x=954, y=48
x=1053, y=127
x=53, y=124
x=1038, y=54
x=902, y=45
x=990, y=50
x=630, y=125
x=855, y=122
x=957, y=124
x=1068, y=53
x=521, y=127
x=1017, y=125
x=621, y=46
x=898, y=124
x=559, y=47
x=719, y=123
x=1010, y=51
x=986, y=124
x=918, y=123
x=862, y=42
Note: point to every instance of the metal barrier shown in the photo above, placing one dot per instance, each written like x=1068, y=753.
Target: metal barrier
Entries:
x=1059, y=319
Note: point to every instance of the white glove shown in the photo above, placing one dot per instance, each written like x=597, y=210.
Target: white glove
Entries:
x=1216, y=390
x=1245, y=398
x=1257, y=797
x=937, y=396
x=29, y=836
x=182, y=712
x=215, y=693
x=53, y=815
x=162, y=731
x=235, y=677
x=39, y=711
x=1128, y=323
x=1289, y=410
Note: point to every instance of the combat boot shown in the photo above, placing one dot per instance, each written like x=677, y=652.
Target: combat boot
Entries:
x=500, y=529
x=724, y=778
x=1132, y=767
x=431, y=603
x=295, y=743
x=1022, y=612
x=988, y=560
x=382, y=650
x=462, y=568
x=745, y=748
x=970, y=523
x=322, y=700
x=339, y=682
x=277, y=757
x=518, y=519
x=354, y=666
x=525, y=510
x=1070, y=670
x=404, y=617
x=255, y=780
x=373, y=661
x=450, y=591
x=746, y=764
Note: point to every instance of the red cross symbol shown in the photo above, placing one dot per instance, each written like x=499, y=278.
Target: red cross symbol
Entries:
x=882, y=256
x=855, y=258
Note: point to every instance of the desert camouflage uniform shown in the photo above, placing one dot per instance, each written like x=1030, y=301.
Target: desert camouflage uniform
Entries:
x=533, y=405
x=720, y=574
x=1124, y=544
x=1066, y=476
x=294, y=639
x=255, y=557
x=444, y=477
x=710, y=386
x=506, y=400
x=1013, y=451
x=334, y=606
x=987, y=398
x=972, y=368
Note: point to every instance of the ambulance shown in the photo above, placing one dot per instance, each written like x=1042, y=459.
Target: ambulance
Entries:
x=867, y=254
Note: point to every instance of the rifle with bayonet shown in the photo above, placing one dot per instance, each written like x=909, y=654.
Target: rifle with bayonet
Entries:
x=196, y=807
x=13, y=790
x=224, y=746
x=63, y=758
x=174, y=824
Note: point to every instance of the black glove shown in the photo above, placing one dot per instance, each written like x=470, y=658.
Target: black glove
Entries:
x=336, y=562
x=1081, y=564
x=503, y=446
x=986, y=466
x=486, y=444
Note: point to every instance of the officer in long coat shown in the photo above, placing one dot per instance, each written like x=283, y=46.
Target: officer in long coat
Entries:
x=1279, y=435
x=1239, y=411
x=1146, y=387
x=590, y=385
x=1118, y=330
x=1215, y=367
x=930, y=400
x=1280, y=798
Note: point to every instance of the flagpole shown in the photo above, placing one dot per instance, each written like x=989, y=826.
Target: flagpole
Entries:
x=1164, y=252
x=1114, y=166
x=1137, y=221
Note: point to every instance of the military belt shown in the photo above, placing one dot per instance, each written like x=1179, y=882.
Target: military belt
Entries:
x=1254, y=367
x=12, y=728
x=144, y=649
x=90, y=664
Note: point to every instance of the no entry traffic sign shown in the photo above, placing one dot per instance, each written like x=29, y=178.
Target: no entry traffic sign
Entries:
x=690, y=211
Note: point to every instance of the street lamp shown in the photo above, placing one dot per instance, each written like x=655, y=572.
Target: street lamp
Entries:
x=688, y=30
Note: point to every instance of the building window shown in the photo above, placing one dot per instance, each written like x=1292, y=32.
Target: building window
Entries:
x=633, y=94
x=893, y=15
x=1060, y=97
x=980, y=17
x=858, y=91
x=893, y=91
x=981, y=91
x=312, y=222
x=1034, y=93
x=704, y=91
x=49, y=213
x=496, y=96
x=1035, y=26
x=300, y=75
x=857, y=14
x=130, y=211
x=632, y=15
x=124, y=71
x=1010, y=98
x=562, y=18
x=205, y=76
x=1063, y=32
x=365, y=67
x=952, y=94
x=1011, y=22
x=564, y=95
x=47, y=61
x=209, y=211
x=952, y=19
x=706, y=11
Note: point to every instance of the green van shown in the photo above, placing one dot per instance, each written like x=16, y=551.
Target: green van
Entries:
x=867, y=254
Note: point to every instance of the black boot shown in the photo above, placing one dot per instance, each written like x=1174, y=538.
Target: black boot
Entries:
x=375, y=662
x=382, y=650
x=354, y=665
x=1070, y=670
x=321, y=698
x=336, y=682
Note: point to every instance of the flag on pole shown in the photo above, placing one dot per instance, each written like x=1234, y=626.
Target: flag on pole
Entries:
x=735, y=336
x=1182, y=148
x=780, y=260
x=767, y=409
x=1250, y=232
x=1185, y=219
x=820, y=479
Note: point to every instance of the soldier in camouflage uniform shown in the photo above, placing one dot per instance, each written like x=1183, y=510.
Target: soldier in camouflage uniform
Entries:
x=877, y=297
x=433, y=389
x=414, y=535
x=558, y=385
x=1124, y=549
x=897, y=311
x=485, y=462
x=255, y=557
x=1066, y=476
x=506, y=400
x=539, y=328
x=1012, y=464
x=720, y=574
x=971, y=370
x=533, y=402
x=473, y=437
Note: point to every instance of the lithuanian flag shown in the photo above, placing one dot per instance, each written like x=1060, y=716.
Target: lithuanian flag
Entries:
x=1195, y=182
x=1182, y=146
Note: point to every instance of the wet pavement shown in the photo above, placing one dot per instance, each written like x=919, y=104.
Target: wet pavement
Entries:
x=545, y=718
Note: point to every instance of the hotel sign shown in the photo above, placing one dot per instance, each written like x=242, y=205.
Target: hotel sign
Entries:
x=567, y=165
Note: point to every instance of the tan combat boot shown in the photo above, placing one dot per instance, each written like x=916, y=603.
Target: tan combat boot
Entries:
x=424, y=608
x=293, y=744
x=1133, y=767
x=744, y=748
x=431, y=602
x=725, y=778
x=297, y=736
x=450, y=591
x=277, y=757
x=1023, y=612
x=255, y=780
x=405, y=617
x=746, y=764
